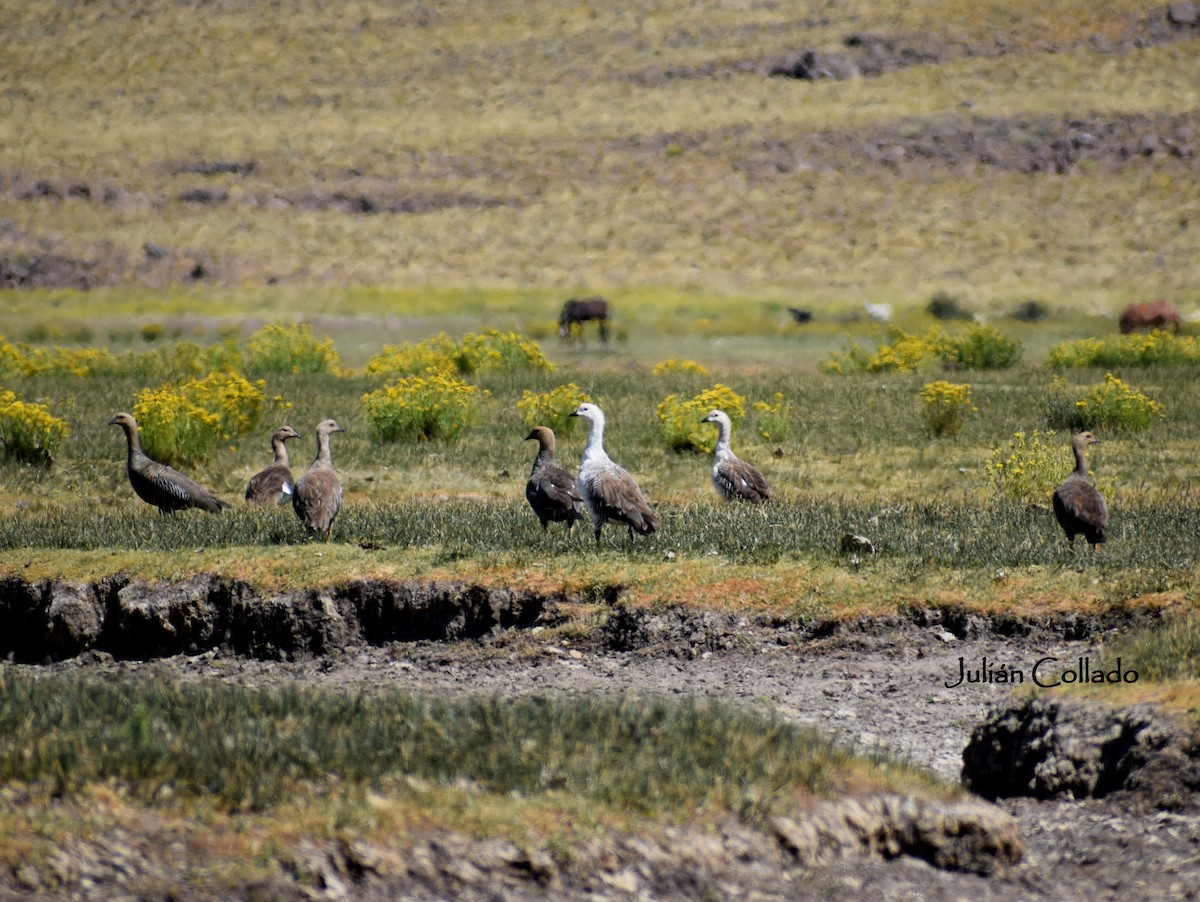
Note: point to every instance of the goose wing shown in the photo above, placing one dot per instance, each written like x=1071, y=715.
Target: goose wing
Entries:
x=614, y=495
x=1078, y=504
x=268, y=484
x=737, y=479
x=168, y=489
x=317, y=499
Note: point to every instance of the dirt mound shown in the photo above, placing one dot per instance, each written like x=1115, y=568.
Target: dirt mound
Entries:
x=1046, y=747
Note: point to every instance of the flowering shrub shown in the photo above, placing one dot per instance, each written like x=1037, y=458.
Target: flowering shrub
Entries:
x=432, y=405
x=181, y=423
x=672, y=366
x=432, y=354
x=1155, y=348
x=945, y=407
x=773, y=420
x=173, y=427
x=1028, y=467
x=682, y=423
x=29, y=433
x=1108, y=405
x=493, y=350
x=552, y=408
x=473, y=353
x=980, y=347
x=290, y=349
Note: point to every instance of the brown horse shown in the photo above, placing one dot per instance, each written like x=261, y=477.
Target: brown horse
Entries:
x=578, y=311
x=1153, y=314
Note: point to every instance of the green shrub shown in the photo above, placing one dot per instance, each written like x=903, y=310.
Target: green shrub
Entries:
x=945, y=407
x=505, y=351
x=552, y=408
x=290, y=349
x=772, y=419
x=1155, y=348
x=1110, y=404
x=473, y=353
x=1028, y=467
x=681, y=420
x=672, y=365
x=181, y=423
x=982, y=348
x=29, y=433
x=433, y=405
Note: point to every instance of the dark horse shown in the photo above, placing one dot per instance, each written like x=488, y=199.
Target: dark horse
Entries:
x=577, y=311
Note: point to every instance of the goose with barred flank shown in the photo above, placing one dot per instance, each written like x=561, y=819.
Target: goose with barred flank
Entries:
x=608, y=490
x=160, y=485
x=551, y=491
x=733, y=478
x=317, y=495
x=273, y=483
x=1079, y=507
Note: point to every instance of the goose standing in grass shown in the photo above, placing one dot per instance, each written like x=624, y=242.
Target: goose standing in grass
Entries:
x=733, y=478
x=317, y=495
x=608, y=490
x=551, y=491
x=160, y=485
x=273, y=483
x=1077, y=505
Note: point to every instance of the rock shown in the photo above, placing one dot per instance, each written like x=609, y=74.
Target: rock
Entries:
x=74, y=619
x=855, y=544
x=969, y=835
x=1046, y=747
x=1183, y=14
x=157, y=619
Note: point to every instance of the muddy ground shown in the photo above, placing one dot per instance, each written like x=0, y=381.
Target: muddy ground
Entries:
x=879, y=685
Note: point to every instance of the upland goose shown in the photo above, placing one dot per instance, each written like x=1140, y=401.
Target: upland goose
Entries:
x=1077, y=505
x=733, y=478
x=551, y=491
x=317, y=495
x=608, y=490
x=273, y=483
x=160, y=485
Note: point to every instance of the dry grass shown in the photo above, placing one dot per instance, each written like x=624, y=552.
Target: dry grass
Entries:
x=611, y=174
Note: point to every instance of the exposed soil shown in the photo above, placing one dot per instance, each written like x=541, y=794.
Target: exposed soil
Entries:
x=880, y=685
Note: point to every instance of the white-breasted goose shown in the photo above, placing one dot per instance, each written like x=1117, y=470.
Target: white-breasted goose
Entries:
x=1078, y=506
x=160, y=485
x=733, y=478
x=551, y=491
x=608, y=490
x=317, y=495
x=273, y=484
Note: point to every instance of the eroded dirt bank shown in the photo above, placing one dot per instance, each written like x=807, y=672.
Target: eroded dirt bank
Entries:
x=884, y=684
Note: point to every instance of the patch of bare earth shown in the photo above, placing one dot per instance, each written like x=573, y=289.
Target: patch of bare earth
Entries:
x=892, y=684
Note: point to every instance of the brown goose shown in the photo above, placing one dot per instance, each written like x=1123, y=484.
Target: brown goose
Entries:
x=608, y=490
x=1077, y=505
x=317, y=495
x=273, y=483
x=733, y=478
x=551, y=491
x=160, y=485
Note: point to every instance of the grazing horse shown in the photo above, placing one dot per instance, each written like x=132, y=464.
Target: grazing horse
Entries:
x=577, y=311
x=1155, y=314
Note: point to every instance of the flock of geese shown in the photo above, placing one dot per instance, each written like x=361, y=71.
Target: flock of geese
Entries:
x=603, y=488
